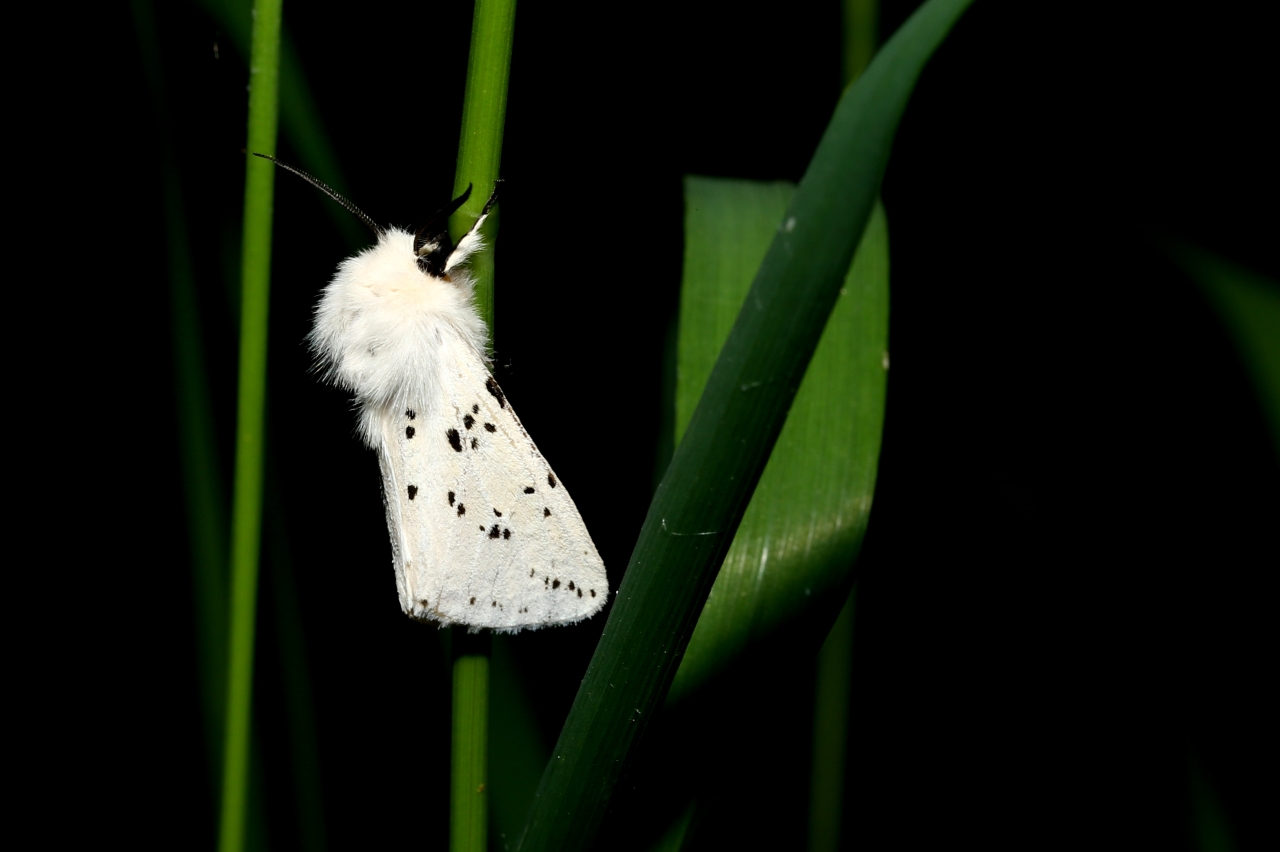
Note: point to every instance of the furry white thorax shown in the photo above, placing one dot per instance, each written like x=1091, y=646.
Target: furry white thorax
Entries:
x=383, y=327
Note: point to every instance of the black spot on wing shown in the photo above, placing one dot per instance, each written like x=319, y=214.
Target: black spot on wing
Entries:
x=528, y=489
x=468, y=421
x=413, y=491
x=494, y=531
x=571, y=585
x=546, y=513
x=551, y=479
x=452, y=496
x=555, y=584
x=475, y=409
x=473, y=601
x=593, y=593
x=497, y=514
x=475, y=443
x=492, y=387
x=506, y=533
x=462, y=509
x=489, y=427
x=455, y=440
x=408, y=431
x=411, y=414
x=579, y=592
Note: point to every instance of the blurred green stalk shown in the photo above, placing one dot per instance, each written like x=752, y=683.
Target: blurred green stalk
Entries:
x=202, y=491
x=484, y=110
x=831, y=732
x=833, y=687
x=246, y=516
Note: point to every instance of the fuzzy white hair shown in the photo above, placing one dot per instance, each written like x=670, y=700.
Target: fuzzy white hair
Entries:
x=381, y=320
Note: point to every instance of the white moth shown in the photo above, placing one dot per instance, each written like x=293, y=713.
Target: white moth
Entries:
x=483, y=533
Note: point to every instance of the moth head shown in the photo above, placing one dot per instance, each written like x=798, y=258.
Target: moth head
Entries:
x=431, y=243
x=435, y=252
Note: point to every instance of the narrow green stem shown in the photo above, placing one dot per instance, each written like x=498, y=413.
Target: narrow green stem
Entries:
x=830, y=732
x=860, y=23
x=468, y=799
x=246, y=516
x=484, y=112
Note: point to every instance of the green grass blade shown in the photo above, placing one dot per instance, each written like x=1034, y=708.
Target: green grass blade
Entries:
x=484, y=110
x=484, y=113
x=795, y=547
x=696, y=511
x=246, y=515
x=1249, y=306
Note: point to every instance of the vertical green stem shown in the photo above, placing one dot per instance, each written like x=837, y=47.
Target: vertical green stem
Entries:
x=246, y=516
x=860, y=24
x=484, y=112
x=830, y=733
x=469, y=801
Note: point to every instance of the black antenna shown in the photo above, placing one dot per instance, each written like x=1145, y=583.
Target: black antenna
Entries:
x=323, y=187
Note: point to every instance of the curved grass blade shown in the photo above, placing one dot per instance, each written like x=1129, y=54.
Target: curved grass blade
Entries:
x=696, y=511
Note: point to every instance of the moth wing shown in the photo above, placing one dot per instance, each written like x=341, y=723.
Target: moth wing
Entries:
x=483, y=532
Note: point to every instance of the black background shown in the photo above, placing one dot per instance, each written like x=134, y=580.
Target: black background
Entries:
x=1063, y=592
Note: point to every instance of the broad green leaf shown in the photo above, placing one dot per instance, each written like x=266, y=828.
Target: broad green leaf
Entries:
x=799, y=536
x=702, y=498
